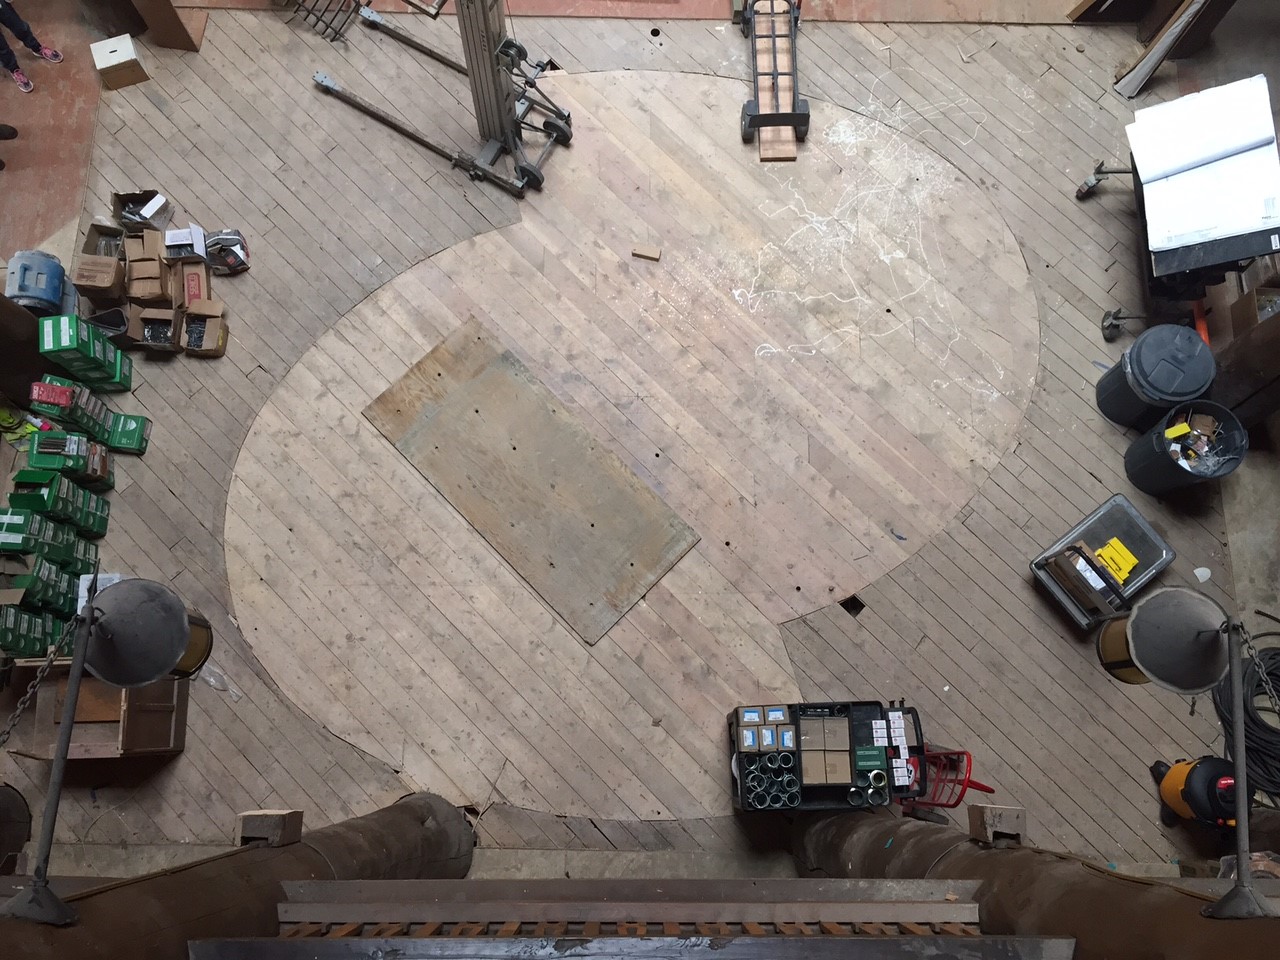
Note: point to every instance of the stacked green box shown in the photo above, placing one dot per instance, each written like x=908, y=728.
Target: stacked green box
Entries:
x=75, y=455
x=83, y=411
x=130, y=433
x=26, y=532
x=27, y=634
x=120, y=379
x=84, y=557
x=36, y=584
x=92, y=514
x=18, y=533
x=79, y=348
x=53, y=495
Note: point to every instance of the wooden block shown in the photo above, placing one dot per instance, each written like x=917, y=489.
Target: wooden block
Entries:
x=647, y=251
x=277, y=827
x=989, y=823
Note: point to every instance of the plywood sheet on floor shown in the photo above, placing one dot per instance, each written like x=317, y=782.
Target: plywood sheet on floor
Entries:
x=568, y=516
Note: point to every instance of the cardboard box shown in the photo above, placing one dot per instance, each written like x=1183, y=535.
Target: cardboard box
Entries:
x=1256, y=306
x=787, y=737
x=205, y=333
x=148, y=245
x=752, y=716
x=116, y=60
x=102, y=240
x=812, y=734
x=186, y=246
x=159, y=328
x=777, y=714
x=196, y=284
x=98, y=278
x=154, y=210
x=813, y=767
x=1263, y=272
x=836, y=732
x=839, y=767
x=148, y=281
x=768, y=738
x=748, y=739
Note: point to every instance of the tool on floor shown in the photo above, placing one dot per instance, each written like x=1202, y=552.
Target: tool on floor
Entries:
x=1113, y=323
x=772, y=27
x=1100, y=172
x=329, y=18
x=1203, y=790
x=504, y=91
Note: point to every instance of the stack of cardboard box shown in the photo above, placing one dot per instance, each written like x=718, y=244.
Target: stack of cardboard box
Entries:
x=159, y=278
x=171, y=305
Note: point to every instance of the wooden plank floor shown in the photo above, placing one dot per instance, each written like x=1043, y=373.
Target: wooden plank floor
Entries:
x=815, y=376
x=335, y=208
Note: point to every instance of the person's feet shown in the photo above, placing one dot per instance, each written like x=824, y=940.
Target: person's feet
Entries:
x=7, y=132
x=50, y=54
x=23, y=81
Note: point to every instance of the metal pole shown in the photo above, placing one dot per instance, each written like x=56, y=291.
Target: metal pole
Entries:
x=1241, y=901
x=38, y=902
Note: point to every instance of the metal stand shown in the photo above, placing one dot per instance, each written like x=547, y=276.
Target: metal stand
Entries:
x=1242, y=901
x=38, y=902
x=504, y=92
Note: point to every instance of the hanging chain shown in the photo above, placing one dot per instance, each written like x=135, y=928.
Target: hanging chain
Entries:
x=1246, y=641
x=41, y=672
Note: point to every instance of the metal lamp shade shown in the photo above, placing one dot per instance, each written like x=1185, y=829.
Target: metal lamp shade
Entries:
x=1173, y=638
x=140, y=633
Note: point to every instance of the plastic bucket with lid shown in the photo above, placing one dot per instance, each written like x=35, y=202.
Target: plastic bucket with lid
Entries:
x=35, y=280
x=1165, y=366
x=1159, y=462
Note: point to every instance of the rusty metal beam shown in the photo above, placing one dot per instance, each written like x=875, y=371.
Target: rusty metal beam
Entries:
x=1029, y=892
x=236, y=894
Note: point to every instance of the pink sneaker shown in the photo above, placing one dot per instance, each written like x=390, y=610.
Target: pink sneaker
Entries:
x=50, y=54
x=23, y=81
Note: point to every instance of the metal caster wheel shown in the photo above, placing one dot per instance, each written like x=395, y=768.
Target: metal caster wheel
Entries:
x=558, y=130
x=530, y=175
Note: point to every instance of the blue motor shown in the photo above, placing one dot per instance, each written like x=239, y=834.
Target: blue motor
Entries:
x=35, y=280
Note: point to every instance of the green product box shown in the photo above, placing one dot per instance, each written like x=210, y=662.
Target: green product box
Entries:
x=130, y=433
x=118, y=378
x=17, y=534
x=35, y=490
x=56, y=543
x=84, y=557
x=55, y=450
x=67, y=337
x=46, y=408
x=870, y=758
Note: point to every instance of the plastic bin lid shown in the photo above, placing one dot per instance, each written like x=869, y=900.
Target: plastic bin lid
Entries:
x=1170, y=364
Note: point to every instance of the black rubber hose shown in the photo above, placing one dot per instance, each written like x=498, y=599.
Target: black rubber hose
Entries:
x=1261, y=736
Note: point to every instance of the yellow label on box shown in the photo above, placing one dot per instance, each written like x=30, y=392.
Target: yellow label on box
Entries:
x=1117, y=558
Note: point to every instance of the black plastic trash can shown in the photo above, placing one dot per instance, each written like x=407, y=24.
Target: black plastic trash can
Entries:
x=1165, y=366
x=1158, y=463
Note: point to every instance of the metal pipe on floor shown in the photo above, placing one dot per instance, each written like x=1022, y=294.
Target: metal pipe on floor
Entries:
x=1030, y=892
x=236, y=894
